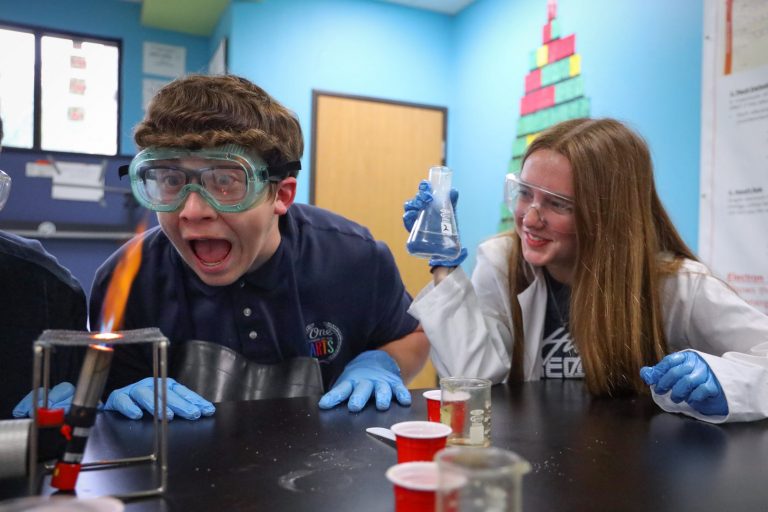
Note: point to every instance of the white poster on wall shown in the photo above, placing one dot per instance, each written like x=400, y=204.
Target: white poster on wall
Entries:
x=78, y=182
x=164, y=59
x=733, y=223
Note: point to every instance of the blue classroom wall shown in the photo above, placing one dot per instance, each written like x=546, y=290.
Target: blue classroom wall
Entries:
x=641, y=63
x=113, y=19
x=343, y=46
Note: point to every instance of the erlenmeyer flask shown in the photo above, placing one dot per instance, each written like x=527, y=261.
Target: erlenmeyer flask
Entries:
x=434, y=234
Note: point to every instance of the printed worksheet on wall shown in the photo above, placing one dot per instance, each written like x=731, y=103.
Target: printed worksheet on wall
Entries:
x=733, y=223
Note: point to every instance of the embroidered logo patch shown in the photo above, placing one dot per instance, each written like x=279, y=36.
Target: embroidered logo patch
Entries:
x=324, y=341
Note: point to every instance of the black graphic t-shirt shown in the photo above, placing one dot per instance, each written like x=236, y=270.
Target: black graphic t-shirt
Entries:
x=559, y=356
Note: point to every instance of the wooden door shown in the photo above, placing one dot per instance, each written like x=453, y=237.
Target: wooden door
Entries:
x=368, y=156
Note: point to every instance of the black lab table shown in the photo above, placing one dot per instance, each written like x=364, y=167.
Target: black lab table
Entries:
x=586, y=454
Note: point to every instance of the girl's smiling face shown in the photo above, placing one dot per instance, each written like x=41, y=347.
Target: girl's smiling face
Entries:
x=548, y=238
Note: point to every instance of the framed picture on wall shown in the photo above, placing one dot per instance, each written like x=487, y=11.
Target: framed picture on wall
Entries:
x=218, y=63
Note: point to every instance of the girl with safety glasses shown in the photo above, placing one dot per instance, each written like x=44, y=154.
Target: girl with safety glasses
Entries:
x=594, y=282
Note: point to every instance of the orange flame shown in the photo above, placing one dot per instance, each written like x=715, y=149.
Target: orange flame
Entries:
x=106, y=336
x=120, y=284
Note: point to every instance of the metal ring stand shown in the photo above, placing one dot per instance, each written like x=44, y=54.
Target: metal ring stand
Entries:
x=41, y=368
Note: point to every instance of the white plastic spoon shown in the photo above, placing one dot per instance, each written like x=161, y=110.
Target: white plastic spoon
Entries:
x=382, y=434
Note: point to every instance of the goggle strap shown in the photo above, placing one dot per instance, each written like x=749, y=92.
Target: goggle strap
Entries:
x=282, y=171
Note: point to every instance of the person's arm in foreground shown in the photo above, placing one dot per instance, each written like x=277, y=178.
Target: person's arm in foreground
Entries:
x=381, y=372
x=410, y=353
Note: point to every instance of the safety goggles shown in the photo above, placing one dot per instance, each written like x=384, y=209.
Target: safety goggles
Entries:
x=229, y=178
x=555, y=210
x=5, y=188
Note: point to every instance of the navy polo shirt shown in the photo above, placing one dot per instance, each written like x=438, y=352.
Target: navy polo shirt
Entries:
x=330, y=291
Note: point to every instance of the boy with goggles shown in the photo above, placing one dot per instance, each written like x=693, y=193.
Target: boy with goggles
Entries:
x=234, y=261
x=38, y=293
x=594, y=282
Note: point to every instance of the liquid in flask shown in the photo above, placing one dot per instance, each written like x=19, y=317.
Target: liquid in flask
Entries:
x=435, y=234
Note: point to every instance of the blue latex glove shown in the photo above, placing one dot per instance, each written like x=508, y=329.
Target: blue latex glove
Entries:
x=690, y=379
x=59, y=397
x=370, y=371
x=182, y=401
x=413, y=207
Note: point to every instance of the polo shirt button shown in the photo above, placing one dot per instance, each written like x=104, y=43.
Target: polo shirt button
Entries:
x=253, y=335
x=242, y=284
x=247, y=312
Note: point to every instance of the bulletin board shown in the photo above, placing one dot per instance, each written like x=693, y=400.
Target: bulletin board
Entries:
x=68, y=196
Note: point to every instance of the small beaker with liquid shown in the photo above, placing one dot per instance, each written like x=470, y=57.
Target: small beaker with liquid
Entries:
x=465, y=406
x=435, y=234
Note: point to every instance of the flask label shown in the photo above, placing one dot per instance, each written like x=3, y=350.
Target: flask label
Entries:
x=445, y=222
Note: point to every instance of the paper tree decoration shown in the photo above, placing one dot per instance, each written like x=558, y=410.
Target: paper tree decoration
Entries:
x=554, y=92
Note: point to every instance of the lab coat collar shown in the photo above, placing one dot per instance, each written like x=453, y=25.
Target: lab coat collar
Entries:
x=533, y=306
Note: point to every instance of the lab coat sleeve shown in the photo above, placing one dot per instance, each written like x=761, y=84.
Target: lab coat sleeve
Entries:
x=704, y=314
x=467, y=323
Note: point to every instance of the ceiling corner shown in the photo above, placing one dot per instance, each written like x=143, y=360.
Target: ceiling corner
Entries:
x=195, y=17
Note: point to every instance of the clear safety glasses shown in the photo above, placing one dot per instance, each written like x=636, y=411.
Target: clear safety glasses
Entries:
x=553, y=209
x=5, y=188
x=229, y=178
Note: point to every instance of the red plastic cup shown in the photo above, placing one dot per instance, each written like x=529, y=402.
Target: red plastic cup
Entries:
x=419, y=440
x=433, y=404
x=415, y=484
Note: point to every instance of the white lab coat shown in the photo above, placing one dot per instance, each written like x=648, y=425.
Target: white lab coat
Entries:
x=469, y=326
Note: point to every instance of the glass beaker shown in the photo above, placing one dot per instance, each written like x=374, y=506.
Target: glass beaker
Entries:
x=479, y=480
x=465, y=406
x=435, y=234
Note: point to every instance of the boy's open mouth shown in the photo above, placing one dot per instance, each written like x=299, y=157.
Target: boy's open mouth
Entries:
x=211, y=252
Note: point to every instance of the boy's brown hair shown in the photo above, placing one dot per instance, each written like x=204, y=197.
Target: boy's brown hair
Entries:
x=202, y=111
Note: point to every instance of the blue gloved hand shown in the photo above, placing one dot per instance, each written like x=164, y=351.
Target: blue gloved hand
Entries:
x=370, y=371
x=182, y=401
x=414, y=206
x=690, y=379
x=59, y=397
